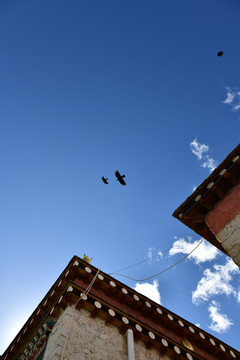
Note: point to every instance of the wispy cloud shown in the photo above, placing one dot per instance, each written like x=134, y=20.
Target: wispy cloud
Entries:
x=220, y=322
x=150, y=254
x=198, y=149
x=209, y=163
x=215, y=282
x=201, y=150
x=232, y=98
x=153, y=255
x=205, y=252
x=149, y=290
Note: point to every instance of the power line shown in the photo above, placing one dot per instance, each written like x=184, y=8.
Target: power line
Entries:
x=140, y=262
x=161, y=272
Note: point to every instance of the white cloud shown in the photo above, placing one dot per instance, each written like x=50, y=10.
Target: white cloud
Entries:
x=236, y=107
x=215, y=282
x=230, y=96
x=150, y=254
x=149, y=290
x=233, y=98
x=205, y=252
x=209, y=163
x=220, y=322
x=200, y=150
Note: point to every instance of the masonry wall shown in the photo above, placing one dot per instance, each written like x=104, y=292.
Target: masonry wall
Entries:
x=224, y=222
x=91, y=339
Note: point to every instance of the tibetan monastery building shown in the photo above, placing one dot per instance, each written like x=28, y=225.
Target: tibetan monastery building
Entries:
x=213, y=210
x=88, y=315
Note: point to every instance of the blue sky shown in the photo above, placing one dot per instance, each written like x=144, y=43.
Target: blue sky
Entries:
x=88, y=88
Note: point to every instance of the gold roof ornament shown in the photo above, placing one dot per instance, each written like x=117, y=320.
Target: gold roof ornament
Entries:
x=86, y=258
x=187, y=344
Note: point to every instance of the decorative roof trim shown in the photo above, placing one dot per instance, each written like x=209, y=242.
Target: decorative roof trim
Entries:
x=193, y=211
x=61, y=293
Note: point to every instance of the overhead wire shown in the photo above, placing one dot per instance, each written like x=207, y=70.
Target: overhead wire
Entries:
x=161, y=272
x=128, y=277
x=140, y=262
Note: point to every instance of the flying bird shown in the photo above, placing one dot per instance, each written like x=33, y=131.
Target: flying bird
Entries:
x=104, y=180
x=120, y=178
x=220, y=53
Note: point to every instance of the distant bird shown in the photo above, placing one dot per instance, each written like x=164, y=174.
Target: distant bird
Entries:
x=220, y=53
x=104, y=180
x=120, y=178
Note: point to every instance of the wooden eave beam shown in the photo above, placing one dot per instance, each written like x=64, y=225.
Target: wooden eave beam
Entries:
x=197, y=219
x=231, y=178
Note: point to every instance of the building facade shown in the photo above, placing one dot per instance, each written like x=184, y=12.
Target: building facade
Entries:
x=213, y=209
x=89, y=315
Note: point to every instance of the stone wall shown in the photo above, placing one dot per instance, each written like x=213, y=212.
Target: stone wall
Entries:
x=224, y=222
x=142, y=353
x=229, y=236
x=91, y=339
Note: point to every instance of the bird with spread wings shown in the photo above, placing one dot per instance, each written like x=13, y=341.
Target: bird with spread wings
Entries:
x=120, y=178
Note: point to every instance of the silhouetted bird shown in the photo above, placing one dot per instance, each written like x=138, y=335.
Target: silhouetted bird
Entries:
x=104, y=180
x=120, y=178
x=220, y=53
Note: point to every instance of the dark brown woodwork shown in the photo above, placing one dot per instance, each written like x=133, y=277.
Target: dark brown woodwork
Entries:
x=197, y=219
x=208, y=205
x=231, y=178
x=220, y=194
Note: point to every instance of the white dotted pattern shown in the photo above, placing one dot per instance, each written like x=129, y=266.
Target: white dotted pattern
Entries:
x=210, y=185
x=235, y=158
x=83, y=296
x=164, y=342
x=97, y=304
x=152, y=336
x=198, y=197
x=148, y=304
x=189, y=356
x=111, y=312
x=222, y=347
x=212, y=341
x=138, y=327
x=191, y=329
x=177, y=350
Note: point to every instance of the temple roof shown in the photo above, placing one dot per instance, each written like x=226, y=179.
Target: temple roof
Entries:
x=193, y=211
x=119, y=305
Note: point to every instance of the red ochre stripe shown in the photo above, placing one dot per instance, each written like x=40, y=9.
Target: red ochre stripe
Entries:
x=225, y=211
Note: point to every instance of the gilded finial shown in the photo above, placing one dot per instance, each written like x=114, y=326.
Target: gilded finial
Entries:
x=86, y=258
